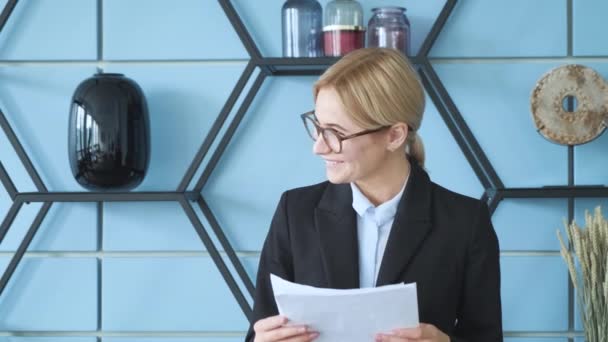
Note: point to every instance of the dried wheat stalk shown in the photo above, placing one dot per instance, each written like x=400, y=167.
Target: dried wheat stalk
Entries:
x=589, y=272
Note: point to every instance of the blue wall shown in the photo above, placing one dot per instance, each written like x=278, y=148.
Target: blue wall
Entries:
x=158, y=283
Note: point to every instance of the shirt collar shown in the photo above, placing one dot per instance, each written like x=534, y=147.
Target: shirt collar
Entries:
x=360, y=203
x=382, y=213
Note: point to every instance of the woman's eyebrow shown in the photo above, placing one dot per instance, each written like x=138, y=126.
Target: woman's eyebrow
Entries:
x=333, y=125
x=337, y=126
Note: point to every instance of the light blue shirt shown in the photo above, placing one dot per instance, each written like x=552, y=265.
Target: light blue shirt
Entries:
x=373, y=228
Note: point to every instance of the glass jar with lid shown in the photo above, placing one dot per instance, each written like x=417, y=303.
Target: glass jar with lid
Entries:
x=302, y=23
x=389, y=27
x=343, y=29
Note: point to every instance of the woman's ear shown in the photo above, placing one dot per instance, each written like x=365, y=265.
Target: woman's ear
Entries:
x=397, y=135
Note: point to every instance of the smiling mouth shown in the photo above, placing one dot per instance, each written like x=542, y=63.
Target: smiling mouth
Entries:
x=333, y=162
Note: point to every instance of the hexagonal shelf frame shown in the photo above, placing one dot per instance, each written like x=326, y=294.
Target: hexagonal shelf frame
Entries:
x=495, y=191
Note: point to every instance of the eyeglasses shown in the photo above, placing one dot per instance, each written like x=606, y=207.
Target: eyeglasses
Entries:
x=332, y=138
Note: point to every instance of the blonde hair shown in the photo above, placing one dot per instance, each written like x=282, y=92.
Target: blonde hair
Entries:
x=379, y=87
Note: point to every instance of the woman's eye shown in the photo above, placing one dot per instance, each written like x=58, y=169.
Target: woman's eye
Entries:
x=338, y=133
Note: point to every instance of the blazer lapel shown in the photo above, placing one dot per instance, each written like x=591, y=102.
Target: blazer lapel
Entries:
x=336, y=224
x=411, y=225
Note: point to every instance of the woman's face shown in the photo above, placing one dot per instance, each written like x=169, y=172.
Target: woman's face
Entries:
x=361, y=156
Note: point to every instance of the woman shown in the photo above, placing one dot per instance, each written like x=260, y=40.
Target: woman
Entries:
x=379, y=219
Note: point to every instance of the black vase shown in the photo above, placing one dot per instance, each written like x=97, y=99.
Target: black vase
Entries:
x=109, y=133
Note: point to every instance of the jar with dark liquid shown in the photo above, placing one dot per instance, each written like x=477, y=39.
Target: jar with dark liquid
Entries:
x=343, y=29
x=389, y=27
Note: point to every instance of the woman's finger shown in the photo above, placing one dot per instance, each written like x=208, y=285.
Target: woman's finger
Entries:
x=302, y=338
x=423, y=332
x=269, y=323
x=286, y=332
x=411, y=333
x=391, y=338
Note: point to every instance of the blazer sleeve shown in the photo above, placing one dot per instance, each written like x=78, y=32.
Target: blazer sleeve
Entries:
x=275, y=258
x=480, y=317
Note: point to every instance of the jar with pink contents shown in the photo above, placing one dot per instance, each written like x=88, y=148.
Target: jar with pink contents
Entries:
x=343, y=29
x=389, y=27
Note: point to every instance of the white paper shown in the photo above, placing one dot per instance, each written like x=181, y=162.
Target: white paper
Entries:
x=347, y=315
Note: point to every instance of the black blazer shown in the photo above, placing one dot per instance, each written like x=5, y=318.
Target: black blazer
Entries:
x=441, y=240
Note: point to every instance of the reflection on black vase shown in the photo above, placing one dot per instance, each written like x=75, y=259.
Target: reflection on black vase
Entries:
x=109, y=133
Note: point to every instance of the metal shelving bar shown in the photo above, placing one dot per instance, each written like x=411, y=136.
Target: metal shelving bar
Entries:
x=241, y=30
x=230, y=132
x=8, y=273
x=9, y=218
x=25, y=160
x=217, y=258
x=459, y=129
x=284, y=66
x=6, y=12
x=494, y=202
x=217, y=125
x=555, y=192
x=104, y=196
x=219, y=233
x=428, y=43
x=8, y=184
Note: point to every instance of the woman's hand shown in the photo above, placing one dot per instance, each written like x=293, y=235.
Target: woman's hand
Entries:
x=272, y=329
x=422, y=333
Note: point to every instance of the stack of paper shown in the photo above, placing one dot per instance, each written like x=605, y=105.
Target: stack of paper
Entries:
x=347, y=315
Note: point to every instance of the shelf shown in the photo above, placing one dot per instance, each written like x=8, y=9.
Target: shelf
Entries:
x=296, y=66
x=555, y=192
x=109, y=196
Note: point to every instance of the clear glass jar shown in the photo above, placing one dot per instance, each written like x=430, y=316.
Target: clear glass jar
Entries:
x=343, y=29
x=389, y=27
x=302, y=28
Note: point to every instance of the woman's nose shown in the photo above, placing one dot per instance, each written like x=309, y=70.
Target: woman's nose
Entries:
x=320, y=147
